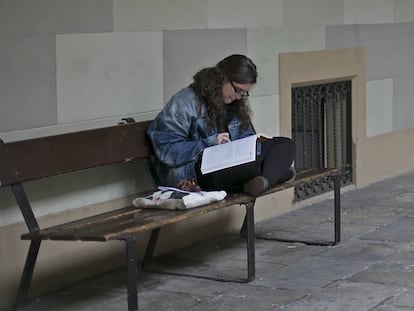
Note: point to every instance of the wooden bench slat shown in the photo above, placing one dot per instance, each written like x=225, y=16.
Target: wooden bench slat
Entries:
x=83, y=222
x=121, y=223
x=30, y=159
x=169, y=217
x=137, y=219
x=134, y=221
x=88, y=222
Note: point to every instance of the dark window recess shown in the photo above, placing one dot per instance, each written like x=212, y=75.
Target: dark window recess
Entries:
x=321, y=128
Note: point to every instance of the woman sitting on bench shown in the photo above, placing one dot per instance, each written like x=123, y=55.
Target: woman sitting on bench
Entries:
x=213, y=110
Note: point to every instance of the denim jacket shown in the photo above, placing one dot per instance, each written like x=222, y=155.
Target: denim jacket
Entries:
x=179, y=134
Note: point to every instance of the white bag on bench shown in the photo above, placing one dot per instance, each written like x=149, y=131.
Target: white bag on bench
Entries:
x=172, y=198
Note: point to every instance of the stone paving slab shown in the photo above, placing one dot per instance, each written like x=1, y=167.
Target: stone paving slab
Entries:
x=398, y=231
x=311, y=273
x=387, y=273
x=196, y=287
x=404, y=254
x=402, y=302
x=325, y=232
x=370, y=251
x=298, y=223
x=284, y=253
x=374, y=215
x=156, y=300
x=70, y=301
x=227, y=246
x=249, y=298
x=346, y=296
x=230, y=269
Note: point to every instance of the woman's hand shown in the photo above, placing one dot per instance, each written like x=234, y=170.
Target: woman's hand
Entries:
x=222, y=138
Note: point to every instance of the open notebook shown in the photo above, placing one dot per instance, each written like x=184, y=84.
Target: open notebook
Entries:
x=230, y=154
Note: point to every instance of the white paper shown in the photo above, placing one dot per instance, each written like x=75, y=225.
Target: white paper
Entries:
x=229, y=154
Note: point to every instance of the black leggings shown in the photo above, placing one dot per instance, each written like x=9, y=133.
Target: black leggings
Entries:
x=276, y=157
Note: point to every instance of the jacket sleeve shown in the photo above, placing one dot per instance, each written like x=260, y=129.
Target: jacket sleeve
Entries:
x=170, y=136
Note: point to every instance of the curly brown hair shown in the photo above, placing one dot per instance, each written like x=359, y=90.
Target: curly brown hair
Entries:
x=208, y=83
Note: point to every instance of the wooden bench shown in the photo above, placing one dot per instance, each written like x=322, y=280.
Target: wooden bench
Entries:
x=33, y=159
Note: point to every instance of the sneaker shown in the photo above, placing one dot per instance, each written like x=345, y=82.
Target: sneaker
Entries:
x=289, y=176
x=256, y=185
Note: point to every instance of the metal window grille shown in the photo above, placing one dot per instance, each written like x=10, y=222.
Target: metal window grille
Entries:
x=321, y=128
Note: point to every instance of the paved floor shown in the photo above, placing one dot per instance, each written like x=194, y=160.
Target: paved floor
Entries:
x=372, y=269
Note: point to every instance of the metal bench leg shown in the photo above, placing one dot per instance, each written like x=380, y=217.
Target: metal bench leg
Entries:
x=249, y=224
x=337, y=221
x=32, y=225
x=132, y=273
x=337, y=202
x=243, y=229
x=149, y=252
x=27, y=274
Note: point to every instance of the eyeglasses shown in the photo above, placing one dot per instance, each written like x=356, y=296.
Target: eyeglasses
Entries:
x=243, y=94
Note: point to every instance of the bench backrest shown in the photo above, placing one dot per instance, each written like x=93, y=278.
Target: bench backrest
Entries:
x=36, y=158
